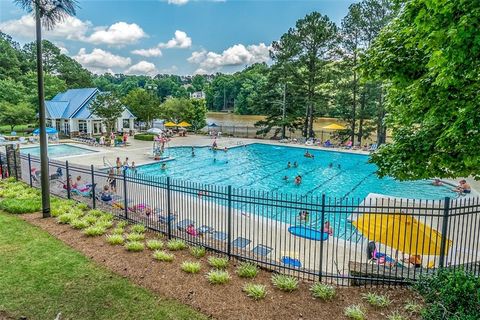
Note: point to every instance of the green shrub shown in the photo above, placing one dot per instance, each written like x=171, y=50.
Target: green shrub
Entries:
x=79, y=224
x=106, y=217
x=255, y=291
x=355, y=312
x=322, y=291
x=96, y=213
x=134, y=246
x=90, y=219
x=144, y=137
x=218, y=276
x=450, y=294
x=66, y=218
x=135, y=237
x=154, y=244
x=82, y=206
x=138, y=228
x=115, y=239
x=412, y=307
x=122, y=224
x=247, y=270
x=377, y=300
x=19, y=206
x=198, y=252
x=104, y=224
x=164, y=256
x=176, y=245
x=94, y=231
x=191, y=267
x=284, y=282
x=59, y=209
x=395, y=315
x=218, y=263
x=118, y=231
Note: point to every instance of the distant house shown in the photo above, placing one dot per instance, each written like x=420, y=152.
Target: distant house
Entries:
x=197, y=95
x=70, y=114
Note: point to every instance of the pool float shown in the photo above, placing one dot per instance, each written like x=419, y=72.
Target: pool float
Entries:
x=308, y=233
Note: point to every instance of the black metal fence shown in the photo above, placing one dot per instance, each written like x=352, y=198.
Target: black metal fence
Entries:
x=337, y=240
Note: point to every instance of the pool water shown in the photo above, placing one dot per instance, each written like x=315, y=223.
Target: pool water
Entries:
x=57, y=151
x=262, y=167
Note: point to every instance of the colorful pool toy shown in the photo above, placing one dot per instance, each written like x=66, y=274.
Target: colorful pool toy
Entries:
x=308, y=233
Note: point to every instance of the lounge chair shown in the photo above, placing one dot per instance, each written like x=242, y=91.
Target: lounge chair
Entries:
x=241, y=242
x=261, y=250
x=220, y=236
x=373, y=147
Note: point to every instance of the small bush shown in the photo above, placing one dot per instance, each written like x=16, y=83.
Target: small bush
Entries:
x=218, y=263
x=355, y=312
x=19, y=206
x=104, y=224
x=134, y=246
x=450, y=294
x=138, y=228
x=144, y=137
x=154, y=244
x=198, y=252
x=96, y=213
x=164, y=256
x=66, y=218
x=90, y=219
x=191, y=267
x=106, y=217
x=377, y=300
x=79, y=224
x=284, y=282
x=218, y=276
x=176, y=245
x=247, y=270
x=135, y=237
x=412, y=307
x=395, y=315
x=94, y=231
x=322, y=291
x=255, y=291
x=82, y=206
x=115, y=239
x=59, y=209
x=118, y=231
x=122, y=224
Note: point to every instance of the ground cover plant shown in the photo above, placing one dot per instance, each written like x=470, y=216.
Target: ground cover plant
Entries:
x=322, y=291
x=377, y=300
x=164, y=256
x=135, y=237
x=255, y=291
x=154, y=244
x=247, y=270
x=198, y=252
x=94, y=231
x=191, y=267
x=218, y=263
x=115, y=239
x=134, y=246
x=395, y=315
x=284, y=282
x=355, y=312
x=68, y=282
x=176, y=245
x=216, y=276
x=138, y=228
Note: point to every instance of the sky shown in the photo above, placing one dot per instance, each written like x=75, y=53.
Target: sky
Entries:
x=170, y=36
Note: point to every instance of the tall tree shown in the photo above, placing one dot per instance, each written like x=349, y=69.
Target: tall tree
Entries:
x=109, y=108
x=304, y=51
x=144, y=105
x=429, y=58
x=14, y=115
x=48, y=12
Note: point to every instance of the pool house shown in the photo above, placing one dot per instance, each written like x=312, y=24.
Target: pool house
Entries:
x=70, y=114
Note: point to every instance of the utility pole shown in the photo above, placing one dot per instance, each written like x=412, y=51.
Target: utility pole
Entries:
x=283, y=111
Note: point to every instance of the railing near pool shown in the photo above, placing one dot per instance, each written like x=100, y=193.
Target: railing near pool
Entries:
x=369, y=241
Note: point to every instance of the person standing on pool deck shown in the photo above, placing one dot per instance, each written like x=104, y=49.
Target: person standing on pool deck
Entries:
x=118, y=163
x=112, y=181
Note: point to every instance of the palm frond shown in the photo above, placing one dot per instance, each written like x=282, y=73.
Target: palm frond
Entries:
x=51, y=11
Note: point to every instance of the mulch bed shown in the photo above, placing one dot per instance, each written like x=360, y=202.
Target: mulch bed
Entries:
x=220, y=301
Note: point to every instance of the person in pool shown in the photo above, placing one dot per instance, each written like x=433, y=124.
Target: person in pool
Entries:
x=163, y=167
x=214, y=145
x=298, y=180
x=463, y=187
x=295, y=164
x=308, y=155
x=437, y=182
x=285, y=178
x=289, y=165
x=327, y=228
x=193, y=152
x=303, y=215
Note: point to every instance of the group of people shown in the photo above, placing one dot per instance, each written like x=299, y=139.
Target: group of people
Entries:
x=414, y=260
x=462, y=188
x=125, y=165
x=102, y=141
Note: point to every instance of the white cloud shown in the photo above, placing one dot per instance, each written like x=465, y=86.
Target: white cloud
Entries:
x=233, y=56
x=152, y=52
x=180, y=40
x=178, y=2
x=141, y=68
x=100, y=61
x=63, y=50
x=70, y=28
x=120, y=33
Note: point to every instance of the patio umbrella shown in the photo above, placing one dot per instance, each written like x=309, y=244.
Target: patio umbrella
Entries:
x=213, y=125
x=184, y=124
x=48, y=130
x=334, y=126
x=401, y=232
x=155, y=130
x=170, y=124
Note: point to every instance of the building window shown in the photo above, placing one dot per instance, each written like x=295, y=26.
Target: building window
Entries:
x=57, y=125
x=126, y=123
x=82, y=126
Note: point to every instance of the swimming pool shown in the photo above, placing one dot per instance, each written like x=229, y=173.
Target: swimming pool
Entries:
x=58, y=151
x=262, y=167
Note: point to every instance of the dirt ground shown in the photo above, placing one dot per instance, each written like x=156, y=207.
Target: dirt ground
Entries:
x=220, y=301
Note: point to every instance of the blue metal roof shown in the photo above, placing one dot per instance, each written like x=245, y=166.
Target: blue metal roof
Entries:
x=55, y=109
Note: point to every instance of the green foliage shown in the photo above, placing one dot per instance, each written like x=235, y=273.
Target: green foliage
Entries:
x=138, y=228
x=322, y=291
x=66, y=218
x=115, y=239
x=284, y=282
x=95, y=213
x=154, y=244
x=255, y=291
x=413, y=308
x=90, y=219
x=428, y=56
x=247, y=270
x=79, y=223
x=451, y=294
x=82, y=206
x=142, y=104
x=395, y=315
x=19, y=206
x=122, y=224
x=216, y=276
x=135, y=237
x=162, y=255
x=134, y=246
x=109, y=108
x=217, y=262
x=106, y=224
x=198, y=252
x=176, y=245
x=355, y=312
x=118, y=230
x=94, y=231
x=191, y=267
x=144, y=137
x=377, y=300
x=14, y=115
x=191, y=111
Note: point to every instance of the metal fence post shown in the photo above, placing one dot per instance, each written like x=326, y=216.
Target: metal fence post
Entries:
x=29, y=170
x=67, y=172
x=443, y=244
x=8, y=164
x=15, y=164
x=125, y=201
x=94, y=202
x=1, y=166
x=229, y=228
x=169, y=210
x=321, y=242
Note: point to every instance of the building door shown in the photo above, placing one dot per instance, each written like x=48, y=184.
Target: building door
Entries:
x=66, y=127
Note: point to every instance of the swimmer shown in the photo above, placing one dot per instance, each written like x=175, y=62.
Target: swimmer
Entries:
x=295, y=164
x=164, y=166
x=225, y=149
x=193, y=152
x=330, y=165
x=308, y=155
x=298, y=180
x=285, y=178
x=437, y=182
x=303, y=215
x=339, y=166
x=289, y=165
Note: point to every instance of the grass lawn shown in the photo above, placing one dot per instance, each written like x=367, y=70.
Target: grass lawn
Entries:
x=40, y=277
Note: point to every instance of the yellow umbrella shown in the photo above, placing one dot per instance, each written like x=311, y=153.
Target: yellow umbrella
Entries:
x=334, y=126
x=170, y=124
x=401, y=232
x=184, y=124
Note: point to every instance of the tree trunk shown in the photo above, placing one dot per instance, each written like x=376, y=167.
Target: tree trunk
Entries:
x=305, y=123
x=361, y=115
x=381, y=128
x=311, y=133
x=354, y=107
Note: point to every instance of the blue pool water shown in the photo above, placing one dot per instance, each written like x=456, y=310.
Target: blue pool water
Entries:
x=262, y=167
x=57, y=151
